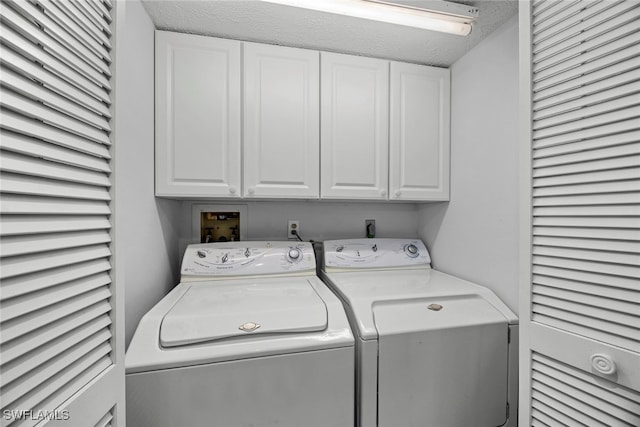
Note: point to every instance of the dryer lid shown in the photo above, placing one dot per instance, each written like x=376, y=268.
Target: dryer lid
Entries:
x=217, y=311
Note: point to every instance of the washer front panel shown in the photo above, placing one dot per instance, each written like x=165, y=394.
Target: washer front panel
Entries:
x=375, y=253
x=211, y=260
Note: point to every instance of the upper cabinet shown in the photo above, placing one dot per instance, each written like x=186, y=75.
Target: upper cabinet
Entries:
x=355, y=127
x=281, y=122
x=419, y=132
x=247, y=120
x=197, y=116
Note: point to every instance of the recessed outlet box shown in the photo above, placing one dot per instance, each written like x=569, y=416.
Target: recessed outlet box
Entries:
x=370, y=228
x=218, y=223
x=293, y=227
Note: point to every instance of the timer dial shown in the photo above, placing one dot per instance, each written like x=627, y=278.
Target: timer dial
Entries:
x=294, y=255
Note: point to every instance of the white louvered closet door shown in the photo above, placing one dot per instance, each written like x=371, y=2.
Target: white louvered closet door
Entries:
x=580, y=354
x=57, y=347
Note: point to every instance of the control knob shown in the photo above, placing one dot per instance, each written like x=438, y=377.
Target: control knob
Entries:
x=293, y=255
x=411, y=250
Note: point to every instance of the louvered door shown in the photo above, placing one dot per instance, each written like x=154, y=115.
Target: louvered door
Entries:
x=57, y=355
x=580, y=354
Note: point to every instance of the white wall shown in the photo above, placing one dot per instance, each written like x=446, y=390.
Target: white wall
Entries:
x=474, y=236
x=147, y=256
x=318, y=220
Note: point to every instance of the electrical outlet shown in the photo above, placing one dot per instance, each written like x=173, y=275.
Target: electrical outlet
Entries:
x=293, y=226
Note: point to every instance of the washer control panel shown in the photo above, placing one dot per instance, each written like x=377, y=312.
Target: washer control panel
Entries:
x=210, y=260
x=375, y=253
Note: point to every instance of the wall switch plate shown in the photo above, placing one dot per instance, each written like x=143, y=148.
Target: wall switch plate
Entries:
x=370, y=228
x=293, y=226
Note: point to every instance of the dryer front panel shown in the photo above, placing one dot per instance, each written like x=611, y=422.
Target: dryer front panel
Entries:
x=442, y=362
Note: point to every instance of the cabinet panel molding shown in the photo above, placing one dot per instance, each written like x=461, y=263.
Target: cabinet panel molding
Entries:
x=419, y=132
x=281, y=122
x=354, y=127
x=197, y=116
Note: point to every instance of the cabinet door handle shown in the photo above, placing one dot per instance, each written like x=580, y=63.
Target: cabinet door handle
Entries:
x=251, y=190
x=398, y=193
x=232, y=190
x=383, y=193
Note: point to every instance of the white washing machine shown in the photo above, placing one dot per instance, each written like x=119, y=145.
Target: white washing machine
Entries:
x=250, y=337
x=432, y=350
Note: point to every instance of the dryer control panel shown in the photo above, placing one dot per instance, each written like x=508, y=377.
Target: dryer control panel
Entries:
x=210, y=260
x=375, y=253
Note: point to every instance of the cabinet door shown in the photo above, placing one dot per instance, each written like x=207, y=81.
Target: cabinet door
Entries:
x=281, y=122
x=197, y=116
x=419, y=133
x=354, y=127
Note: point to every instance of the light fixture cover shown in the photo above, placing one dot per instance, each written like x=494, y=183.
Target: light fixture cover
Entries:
x=442, y=16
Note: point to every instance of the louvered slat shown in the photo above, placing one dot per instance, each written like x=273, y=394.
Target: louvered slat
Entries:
x=22, y=344
x=20, y=184
x=52, y=64
x=624, y=186
x=20, y=225
x=579, y=95
x=27, y=87
x=37, y=129
x=91, y=15
x=28, y=264
x=589, y=233
x=588, y=266
x=87, y=373
x=30, y=244
x=621, y=317
x=593, y=154
x=590, y=199
x=578, y=297
x=26, y=165
x=50, y=45
x=31, y=108
x=32, y=322
x=105, y=421
x=48, y=370
x=32, y=147
x=97, y=359
x=593, y=12
x=21, y=204
x=74, y=30
x=586, y=172
x=567, y=46
x=570, y=391
x=584, y=288
x=13, y=371
x=51, y=81
x=91, y=30
x=591, y=244
x=559, y=11
x=55, y=311
x=66, y=41
x=19, y=286
x=564, y=274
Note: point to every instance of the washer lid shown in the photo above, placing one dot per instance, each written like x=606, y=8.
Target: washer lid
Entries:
x=215, y=312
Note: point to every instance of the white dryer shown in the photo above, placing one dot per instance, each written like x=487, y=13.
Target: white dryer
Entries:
x=250, y=337
x=432, y=350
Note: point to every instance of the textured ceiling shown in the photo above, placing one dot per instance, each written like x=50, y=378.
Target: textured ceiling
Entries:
x=252, y=20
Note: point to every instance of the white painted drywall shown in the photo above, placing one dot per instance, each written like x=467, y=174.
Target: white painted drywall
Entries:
x=475, y=234
x=319, y=220
x=147, y=259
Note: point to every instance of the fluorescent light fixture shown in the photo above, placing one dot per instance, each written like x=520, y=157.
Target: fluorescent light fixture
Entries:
x=440, y=15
